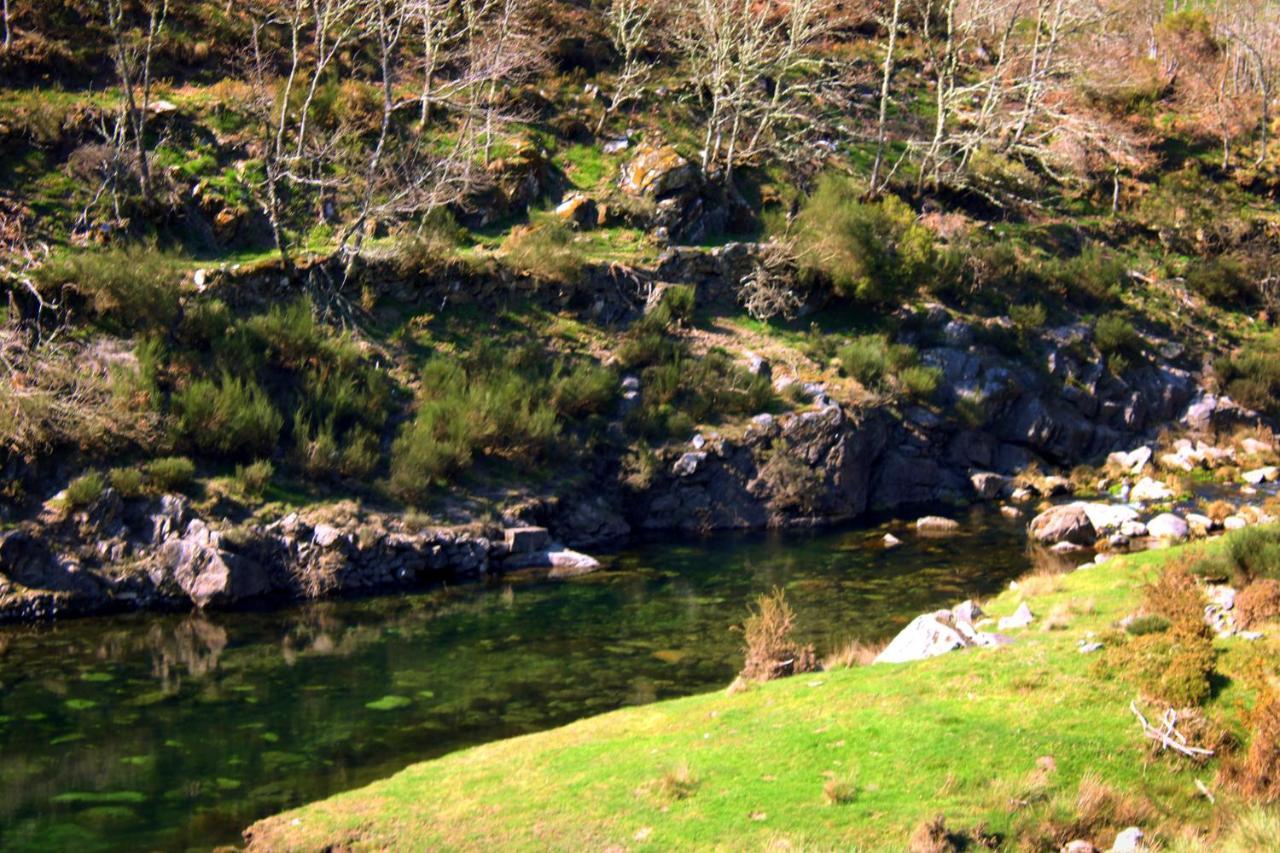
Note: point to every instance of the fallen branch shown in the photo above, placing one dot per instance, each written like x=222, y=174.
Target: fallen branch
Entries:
x=1167, y=735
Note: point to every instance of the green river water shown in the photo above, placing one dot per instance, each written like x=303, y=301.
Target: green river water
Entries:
x=175, y=732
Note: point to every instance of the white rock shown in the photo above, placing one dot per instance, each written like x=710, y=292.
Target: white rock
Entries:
x=567, y=564
x=1021, y=618
x=1133, y=529
x=325, y=535
x=936, y=524
x=1148, y=490
x=1177, y=462
x=1089, y=648
x=924, y=637
x=1258, y=476
x=966, y=612
x=1168, y=526
x=1135, y=460
x=891, y=541
x=1129, y=841
x=1201, y=523
x=1234, y=522
x=1254, y=447
x=1010, y=512
x=1108, y=516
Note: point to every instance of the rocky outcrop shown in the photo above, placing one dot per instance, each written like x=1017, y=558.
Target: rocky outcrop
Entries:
x=933, y=634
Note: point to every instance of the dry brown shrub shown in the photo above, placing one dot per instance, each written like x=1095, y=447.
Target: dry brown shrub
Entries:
x=678, y=783
x=1258, y=602
x=933, y=836
x=771, y=651
x=1219, y=511
x=1177, y=596
x=1258, y=776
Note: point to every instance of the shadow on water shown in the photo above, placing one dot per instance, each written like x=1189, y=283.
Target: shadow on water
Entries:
x=178, y=731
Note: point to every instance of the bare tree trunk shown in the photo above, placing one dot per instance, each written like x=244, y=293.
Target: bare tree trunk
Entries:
x=8, y=28
x=884, y=96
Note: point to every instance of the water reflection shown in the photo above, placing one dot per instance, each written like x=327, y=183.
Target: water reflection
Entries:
x=180, y=730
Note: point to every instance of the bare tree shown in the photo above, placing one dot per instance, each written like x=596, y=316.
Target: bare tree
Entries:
x=132, y=55
x=886, y=76
x=8, y=27
x=629, y=31
x=752, y=67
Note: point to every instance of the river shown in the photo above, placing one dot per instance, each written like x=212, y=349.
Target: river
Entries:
x=174, y=732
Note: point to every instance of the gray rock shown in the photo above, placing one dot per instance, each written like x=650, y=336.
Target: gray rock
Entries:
x=1067, y=523
x=687, y=464
x=1021, y=618
x=1129, y=841
x=988, y=485
x=936, y=524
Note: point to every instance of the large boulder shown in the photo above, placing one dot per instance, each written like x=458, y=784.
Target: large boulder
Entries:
x=657, y=171
x=208, y=574
x=1066, y=523
x=1169, y=527
x=1148, y=490
x=926, y=636
x=1108, y=516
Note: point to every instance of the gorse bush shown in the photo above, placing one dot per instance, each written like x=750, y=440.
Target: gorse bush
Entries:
x=171, y=473
x=253, y=479
x=872, y=252
x=128, y=482
x=1251, y=375
x=85, y=489
x=1221, y=281
x=230, y=417
x=510, y=403
x=128, y=289
x=880, y=365
x=547, y=251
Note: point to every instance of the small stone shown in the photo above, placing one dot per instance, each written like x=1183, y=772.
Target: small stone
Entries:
x=1148, y=490
x=1087, y=648
x=891, y=541
x=1021, y=618
x=688, y=464
x=325, y=535
x=1129, y=841
x=1010, y=512
x=936, y=524
x=1133, y=529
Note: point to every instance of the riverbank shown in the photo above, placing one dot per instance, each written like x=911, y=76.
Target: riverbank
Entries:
x=1022, y=743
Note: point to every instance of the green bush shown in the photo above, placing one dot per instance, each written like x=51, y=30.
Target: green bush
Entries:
x=437, y=239
x=1090, y=279
x=585, y=389
x=231, y=417
x=872, y=252
x=1118, y=342
x=1150, y=624
x=253, y=479
x=546, y=251
x=127, y=481
x=129, y=289
x=171, y=473
x=880, y=365
x=85, y=489
x=1221, y=281
x=1251, y=375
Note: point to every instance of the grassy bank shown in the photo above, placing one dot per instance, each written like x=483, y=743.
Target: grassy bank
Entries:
x=1028, y=744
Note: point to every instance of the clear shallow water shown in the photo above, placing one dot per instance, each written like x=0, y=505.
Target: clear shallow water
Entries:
x=178, y=731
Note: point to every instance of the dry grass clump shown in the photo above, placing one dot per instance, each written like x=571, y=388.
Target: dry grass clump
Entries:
x=1219, y=511
x=678, y=783
x=853, y=653
x=934, y=836
x=1096, y=813
x=771, y=651
x=1258, y=602
x=1063, y=613
x=839, y=792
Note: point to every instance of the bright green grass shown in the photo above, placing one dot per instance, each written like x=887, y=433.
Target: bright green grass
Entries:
x=958, y=735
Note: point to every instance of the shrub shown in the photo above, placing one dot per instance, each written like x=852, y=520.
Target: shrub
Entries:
x=771, y=651
x=1177, y=596
x=232, y=418
x=438, y=238
x=871, y=252
x=1149, y=624
x=85, y=489
x=129, y=289
x=1258, y=602
x=1117, y=340
x=1090, y=279
x=1251, y=375
x=585, y=389
x=126, y=481
x=171, y=473
x=880, y=365
x=679, y=302
x=1259, y=776
x=1221, y=281
x=253, y=479
x=546, y=251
